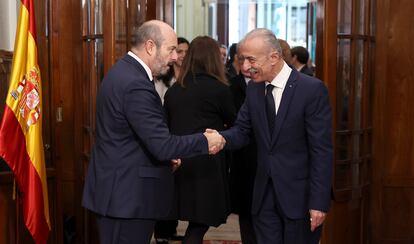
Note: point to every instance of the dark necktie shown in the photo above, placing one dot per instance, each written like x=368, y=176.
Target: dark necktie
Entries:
x=270, y=108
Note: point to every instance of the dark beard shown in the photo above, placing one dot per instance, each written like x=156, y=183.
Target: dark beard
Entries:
x=167, y=77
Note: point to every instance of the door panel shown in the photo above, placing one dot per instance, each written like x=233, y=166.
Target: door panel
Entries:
x=393, y=146
x=347, y=44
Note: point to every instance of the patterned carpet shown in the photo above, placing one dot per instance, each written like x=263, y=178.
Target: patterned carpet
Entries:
x=221, y=242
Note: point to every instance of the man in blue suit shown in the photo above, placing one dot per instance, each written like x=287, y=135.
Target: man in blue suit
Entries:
x=290, y=116
x=129, y=184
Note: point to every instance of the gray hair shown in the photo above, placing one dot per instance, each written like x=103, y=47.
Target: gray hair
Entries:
x=266, y=35
x=148, y=31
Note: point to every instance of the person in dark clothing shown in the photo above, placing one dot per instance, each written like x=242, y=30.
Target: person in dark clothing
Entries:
x=201, y=99
x=300, y=57
x=164, y=82
x=286, y=53
x=243, y=167
x=232, y=66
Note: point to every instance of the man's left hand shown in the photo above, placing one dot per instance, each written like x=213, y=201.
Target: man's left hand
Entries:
x=316, y=218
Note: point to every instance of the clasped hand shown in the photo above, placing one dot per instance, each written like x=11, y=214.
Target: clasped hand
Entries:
x=216, y=141
x=316, y=218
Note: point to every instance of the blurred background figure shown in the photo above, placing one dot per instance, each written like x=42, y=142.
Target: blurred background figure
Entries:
x=232, y=65
x=201, y=99
x=223, y=53
x=164, y=82
x=300, y=58
x=287, y=56
x=243, y=165
x=182, y=50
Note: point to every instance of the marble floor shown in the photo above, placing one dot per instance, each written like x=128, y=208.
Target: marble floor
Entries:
x=225, y=232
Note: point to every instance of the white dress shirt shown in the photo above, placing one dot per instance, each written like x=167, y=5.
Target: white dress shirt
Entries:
x=147, y=69
x=247, y=80
x=279, y=83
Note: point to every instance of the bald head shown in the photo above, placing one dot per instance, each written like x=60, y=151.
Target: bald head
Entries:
x=155, y=44
x=154, y=30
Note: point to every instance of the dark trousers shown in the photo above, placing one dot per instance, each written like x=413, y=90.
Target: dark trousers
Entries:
x=246, y=229
x=273, y=227
x=165, y=229
x=124, y=231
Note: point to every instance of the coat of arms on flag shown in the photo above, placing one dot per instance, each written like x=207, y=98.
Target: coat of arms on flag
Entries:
x=28, y=92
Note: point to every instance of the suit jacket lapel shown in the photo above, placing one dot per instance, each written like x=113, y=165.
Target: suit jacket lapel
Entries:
x=284, y=105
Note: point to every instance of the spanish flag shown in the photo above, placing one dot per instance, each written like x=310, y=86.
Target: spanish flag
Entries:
x=21, y=144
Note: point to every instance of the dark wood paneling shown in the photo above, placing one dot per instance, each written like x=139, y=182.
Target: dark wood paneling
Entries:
x=223, y=22
x=393, y=145
x=165, y=11
x=326, y=71
x=7, y=209
x=65, y=78
x=5, y=68
x=349, y=86
x=151, y=7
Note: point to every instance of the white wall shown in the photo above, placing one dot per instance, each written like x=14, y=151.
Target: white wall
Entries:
x=8, y=23
x=190, y=18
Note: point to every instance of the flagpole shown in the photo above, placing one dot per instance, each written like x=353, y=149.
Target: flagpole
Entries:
x=17, y=201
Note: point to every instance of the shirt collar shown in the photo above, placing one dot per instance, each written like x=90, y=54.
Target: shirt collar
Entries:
x=280, y=79
x=300, y=67
x=147, y=69
x=247, y=80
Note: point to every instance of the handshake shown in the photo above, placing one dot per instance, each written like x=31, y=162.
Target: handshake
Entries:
x=216, y=141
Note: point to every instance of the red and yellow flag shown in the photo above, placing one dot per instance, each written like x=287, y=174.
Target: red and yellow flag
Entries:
x=21, y=144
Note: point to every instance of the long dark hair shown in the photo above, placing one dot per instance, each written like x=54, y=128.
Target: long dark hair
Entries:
x=203, y=57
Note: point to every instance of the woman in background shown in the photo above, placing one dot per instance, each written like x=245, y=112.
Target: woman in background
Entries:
x=201, y=99
x=163, y=83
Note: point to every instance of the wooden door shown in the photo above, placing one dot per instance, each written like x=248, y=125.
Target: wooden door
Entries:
x=392, y=204
x=345, y=61
x=92, y=26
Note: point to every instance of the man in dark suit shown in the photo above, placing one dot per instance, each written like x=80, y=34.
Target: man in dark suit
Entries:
x=300, y=57
x=290, y=116
x=129, y=185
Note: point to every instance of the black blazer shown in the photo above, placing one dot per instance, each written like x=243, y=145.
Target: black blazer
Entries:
x=244, y=160
x=127, y=177
x=306, y=70
x=201, y=182
x=238, y=89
